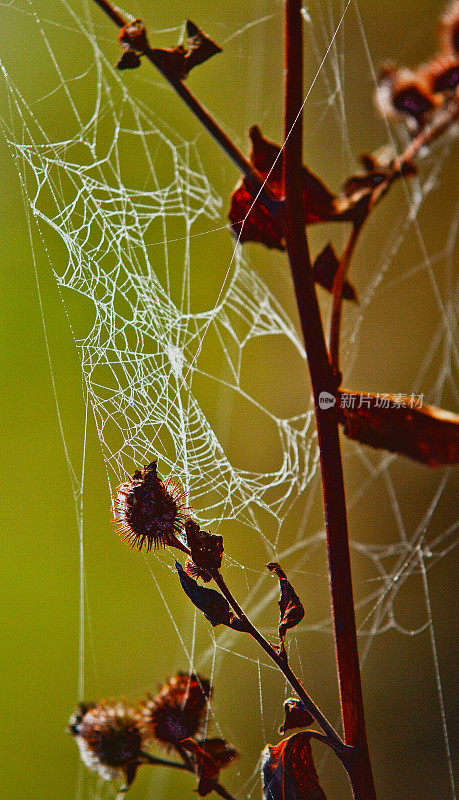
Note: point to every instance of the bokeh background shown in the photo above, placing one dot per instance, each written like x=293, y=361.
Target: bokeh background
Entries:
x=131, y=644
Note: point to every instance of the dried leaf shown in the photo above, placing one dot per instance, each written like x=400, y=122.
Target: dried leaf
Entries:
x=296, y=715
x=291, y=608
x=177, y=62
x=210, y=756
x=251, y=222
x=221, y=752
x=288, y=771
x=324, y=271
x=213, y=605
x=129, y=60
x=199, y=47
x=207, y=768
x=393, y=422
x=360, y=187
x=206, y=550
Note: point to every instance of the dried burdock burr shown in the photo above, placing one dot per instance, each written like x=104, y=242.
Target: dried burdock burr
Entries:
x=150, y=512
x=404, y=95
x=178, y=710
x=449, y=29
x=109, y=739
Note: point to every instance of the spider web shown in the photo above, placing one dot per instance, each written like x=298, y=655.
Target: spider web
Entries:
x=120, y=205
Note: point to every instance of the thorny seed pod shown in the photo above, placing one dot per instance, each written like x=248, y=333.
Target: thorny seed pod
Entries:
x=442, y=74
x=149, y=511
x=109, y=739
x=449, y=29
x=177, y=712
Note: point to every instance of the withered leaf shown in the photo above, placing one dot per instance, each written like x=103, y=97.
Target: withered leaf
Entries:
x=324, y=271
x=296, y=715
x=251, y=222
x=291, y=608
x=206, y=550
x=288, y=770
x=177, y=62
x=213, y=605
x=221, y=752
x=207, y=768
x=129, y=60
x=393, y=422
x=210, y=756
x=199, y=47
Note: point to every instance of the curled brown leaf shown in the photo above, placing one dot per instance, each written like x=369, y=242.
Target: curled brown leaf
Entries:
x=291, y=608
x=288, y=770
x=296, y=715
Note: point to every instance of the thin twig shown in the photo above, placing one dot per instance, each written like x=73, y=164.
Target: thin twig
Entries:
x=163, y=762
x=442, y=122
x=258, y=184
x=188, y=767
x=332, y=737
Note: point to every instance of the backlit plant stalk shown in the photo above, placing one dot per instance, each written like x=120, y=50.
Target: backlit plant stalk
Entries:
x=288, y=212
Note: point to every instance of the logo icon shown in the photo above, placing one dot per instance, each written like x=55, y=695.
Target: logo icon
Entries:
x=326, y=400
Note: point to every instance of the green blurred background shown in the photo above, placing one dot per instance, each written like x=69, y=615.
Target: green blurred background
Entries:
x=131, y=643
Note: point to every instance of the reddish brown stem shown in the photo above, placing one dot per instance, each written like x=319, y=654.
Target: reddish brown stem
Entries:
x=332, y=738
x=338, y=285
x=188, y=767
x=428, y=134
x=322, y=379
x=258, y=184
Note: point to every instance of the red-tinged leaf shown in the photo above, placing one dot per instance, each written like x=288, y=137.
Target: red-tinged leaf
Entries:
x=288, y=771
x=324, y=271
x=291, y=608
x=210, y=756
x=251, y=222
x=296, y=716
x=207, y=768
x=177, y=62
x=221, y=752
x=397, y=423
x=213, y=605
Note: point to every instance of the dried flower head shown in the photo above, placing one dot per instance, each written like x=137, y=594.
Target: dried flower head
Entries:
x=149, y=511
x=403, y=95
x=449, y=29
x=442, y=74
x=134, y=36
x=109, y=739
x=177, y=711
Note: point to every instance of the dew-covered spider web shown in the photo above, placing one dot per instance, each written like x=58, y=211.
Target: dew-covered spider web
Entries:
x=191, y=355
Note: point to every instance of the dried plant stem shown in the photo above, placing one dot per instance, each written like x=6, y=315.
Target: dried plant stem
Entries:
x=332, y=738
x=188, y=767
x=323, y=378
x=262, y=191
x=428, y=134
x=338, y=284
x=360, y=772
